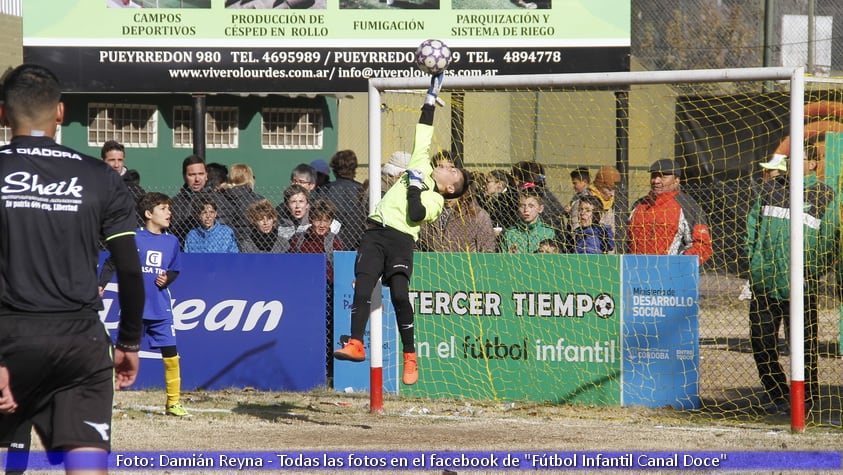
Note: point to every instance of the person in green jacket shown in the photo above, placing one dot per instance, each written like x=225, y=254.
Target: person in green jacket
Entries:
x=524, y=238
x=768, y=250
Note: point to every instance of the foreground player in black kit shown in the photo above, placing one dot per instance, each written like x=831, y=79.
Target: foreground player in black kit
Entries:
x=57, y=367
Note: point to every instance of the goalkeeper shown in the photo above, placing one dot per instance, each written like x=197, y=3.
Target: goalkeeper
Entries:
x=386, y=249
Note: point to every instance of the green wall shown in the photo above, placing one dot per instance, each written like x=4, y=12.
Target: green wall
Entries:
x=160, y=167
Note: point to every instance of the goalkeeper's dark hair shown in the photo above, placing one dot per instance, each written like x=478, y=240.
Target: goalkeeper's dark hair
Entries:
x=466, y=183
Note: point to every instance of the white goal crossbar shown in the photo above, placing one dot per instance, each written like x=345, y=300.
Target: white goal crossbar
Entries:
x=797, y=90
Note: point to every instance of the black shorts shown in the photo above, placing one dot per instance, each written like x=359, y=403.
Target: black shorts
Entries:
x=385, y=251
x=61, y=374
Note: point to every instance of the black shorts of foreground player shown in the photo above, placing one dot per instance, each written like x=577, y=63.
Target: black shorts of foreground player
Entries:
x=57, y=367
x=386, y=250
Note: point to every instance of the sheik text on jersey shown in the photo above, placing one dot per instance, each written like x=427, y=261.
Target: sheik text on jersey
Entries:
x=22, y=182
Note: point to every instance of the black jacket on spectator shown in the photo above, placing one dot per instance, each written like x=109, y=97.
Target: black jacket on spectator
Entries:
x=502, y=208
x=232, y=203
x=345, y=194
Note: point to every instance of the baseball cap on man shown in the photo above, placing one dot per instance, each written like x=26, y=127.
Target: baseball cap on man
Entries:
x=778, y=162
x=397, y=163
x=321, y=166
x=665, y=166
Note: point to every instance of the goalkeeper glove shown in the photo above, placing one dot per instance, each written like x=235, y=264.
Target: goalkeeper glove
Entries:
x=415, y=178
x=433, y=90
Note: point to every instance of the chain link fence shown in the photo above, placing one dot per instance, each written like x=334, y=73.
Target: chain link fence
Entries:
x=702, y=34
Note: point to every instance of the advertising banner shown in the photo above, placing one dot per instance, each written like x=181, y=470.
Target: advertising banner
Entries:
x=350, y=376
x=242, y=320
x=590, y=329
x=661, y=331
x=312, y=45
x=517, y=327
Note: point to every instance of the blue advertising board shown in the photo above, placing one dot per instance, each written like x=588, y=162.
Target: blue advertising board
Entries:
x=255, y=320
x=660, y=331
x=354, y=377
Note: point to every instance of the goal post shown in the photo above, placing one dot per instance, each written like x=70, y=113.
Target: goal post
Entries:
x=788, y=80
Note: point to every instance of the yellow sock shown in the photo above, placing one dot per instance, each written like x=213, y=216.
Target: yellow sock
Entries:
x=172, y=379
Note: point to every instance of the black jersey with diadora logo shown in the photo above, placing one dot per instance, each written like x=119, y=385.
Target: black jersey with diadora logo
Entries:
x=56, y=204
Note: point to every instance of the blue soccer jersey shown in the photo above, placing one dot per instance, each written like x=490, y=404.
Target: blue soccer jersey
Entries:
x=159, y=253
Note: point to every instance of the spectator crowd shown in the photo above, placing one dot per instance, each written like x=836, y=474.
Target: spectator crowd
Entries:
x=511, y=211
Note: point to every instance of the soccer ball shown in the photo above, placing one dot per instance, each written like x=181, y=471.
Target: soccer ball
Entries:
x=433, y=56
x=604, y=305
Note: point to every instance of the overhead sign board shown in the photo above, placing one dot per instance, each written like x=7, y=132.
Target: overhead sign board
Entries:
x=330, y=46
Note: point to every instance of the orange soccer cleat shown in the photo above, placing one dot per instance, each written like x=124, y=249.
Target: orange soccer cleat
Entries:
x=352, y=350
x=411, y=368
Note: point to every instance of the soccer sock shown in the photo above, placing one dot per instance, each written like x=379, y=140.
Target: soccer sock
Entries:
x=399, y=287
x=172, y=379
x=17, y=457
x=362, y=304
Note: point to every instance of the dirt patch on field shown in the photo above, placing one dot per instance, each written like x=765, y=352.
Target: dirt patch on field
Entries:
x=327, y=421
x=244, y=420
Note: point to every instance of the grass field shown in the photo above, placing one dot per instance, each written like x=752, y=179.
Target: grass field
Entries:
x=323, y=420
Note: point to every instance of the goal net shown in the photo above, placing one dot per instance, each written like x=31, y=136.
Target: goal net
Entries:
x=608, y=329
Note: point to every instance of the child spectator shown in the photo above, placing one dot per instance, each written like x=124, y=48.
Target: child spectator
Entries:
x=161, y=264
x=592, y=237
x=294, y=211
x=318, y=238
x=263, y=237
x=531, y=175
x=604, y=187
x=210, y=235
x=526, y=236
x=580, y=181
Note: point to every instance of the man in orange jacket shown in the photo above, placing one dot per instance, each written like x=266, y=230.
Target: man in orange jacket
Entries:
x=667, y=221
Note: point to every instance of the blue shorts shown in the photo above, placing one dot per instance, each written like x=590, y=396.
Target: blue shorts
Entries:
x=159, y=333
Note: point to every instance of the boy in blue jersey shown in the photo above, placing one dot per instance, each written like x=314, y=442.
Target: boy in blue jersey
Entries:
x=386, y=249
x=160, y=260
